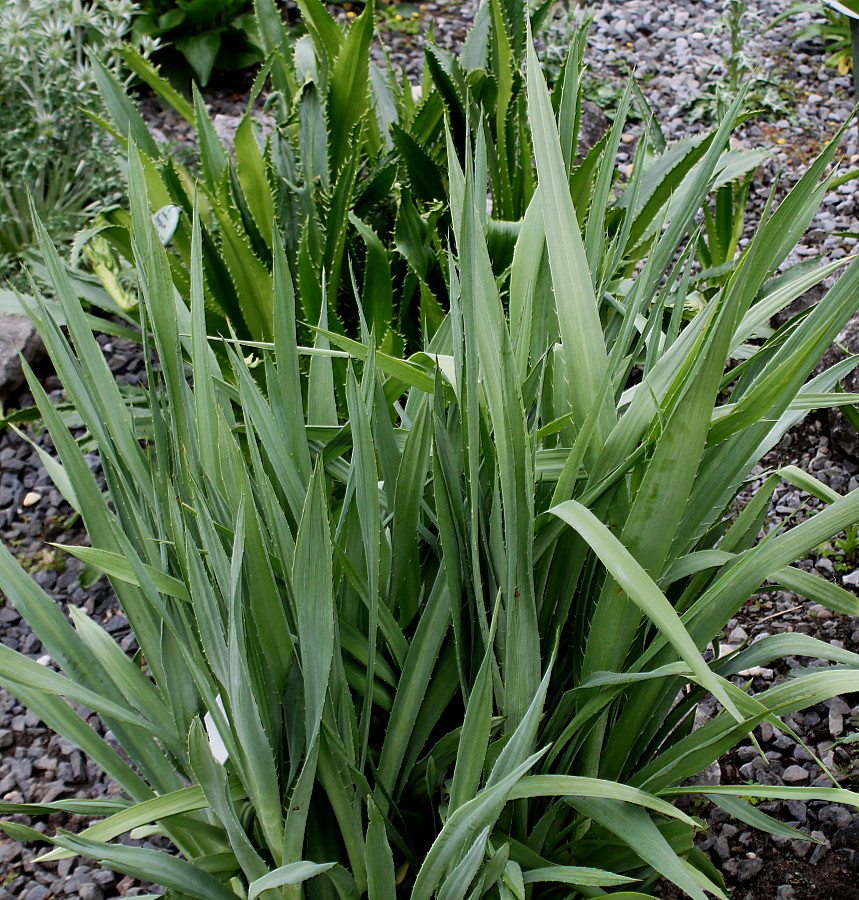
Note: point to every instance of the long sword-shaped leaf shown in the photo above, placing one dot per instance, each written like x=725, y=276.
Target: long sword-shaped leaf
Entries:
x=366, y=486
x=118, y=567
x=177, y=803
x=494, y=360
x=314, y=599
x=125, y=115
x=152, y=865
x=575, y=875
x=293, y=873
x=636, y=829
x=474, y=738
x=578, y=312
x=381, y=875
x=462, y=829
x=456, y=885
x=633, y=579
x=417, y=671
x=349, y=89
x=215, y=786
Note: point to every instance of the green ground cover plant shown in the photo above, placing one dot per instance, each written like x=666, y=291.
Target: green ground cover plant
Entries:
x=197, y=36
x=436, y=625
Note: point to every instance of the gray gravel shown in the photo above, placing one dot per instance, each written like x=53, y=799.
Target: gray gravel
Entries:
x=676, y=48
x=35, y=764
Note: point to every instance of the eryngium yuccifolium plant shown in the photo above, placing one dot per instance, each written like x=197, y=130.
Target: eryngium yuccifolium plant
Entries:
x=51, y=149
x=367, y=202
x=445, y=637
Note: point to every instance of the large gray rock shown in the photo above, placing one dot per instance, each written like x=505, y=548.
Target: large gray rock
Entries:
x=592, y=127
x=226, y=127
x=744, y=869
x=17, y=335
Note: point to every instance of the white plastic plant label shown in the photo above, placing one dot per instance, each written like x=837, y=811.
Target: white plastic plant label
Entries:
x=165, y=221
x=216, y=742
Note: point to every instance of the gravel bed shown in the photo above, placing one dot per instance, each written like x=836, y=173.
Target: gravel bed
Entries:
x=37, y=766
x=677, y=50
x=676, y=47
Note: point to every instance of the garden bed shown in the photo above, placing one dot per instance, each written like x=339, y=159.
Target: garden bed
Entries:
x=674, y=49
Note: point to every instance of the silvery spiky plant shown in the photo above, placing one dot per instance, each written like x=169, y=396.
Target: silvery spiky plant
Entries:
x=436, y=626
x=51, y=149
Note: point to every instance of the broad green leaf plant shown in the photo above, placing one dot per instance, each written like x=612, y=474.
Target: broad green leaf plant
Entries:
x=445, y=638
x=198, y=36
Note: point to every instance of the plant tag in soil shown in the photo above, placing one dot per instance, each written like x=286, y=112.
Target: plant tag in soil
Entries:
x=216, y=742
x=165, y=222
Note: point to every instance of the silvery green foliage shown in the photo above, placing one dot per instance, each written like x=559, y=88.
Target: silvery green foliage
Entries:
x=51, y=148
x=436, y=626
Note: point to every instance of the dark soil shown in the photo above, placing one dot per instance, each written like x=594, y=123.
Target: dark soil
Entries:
x=833, y=878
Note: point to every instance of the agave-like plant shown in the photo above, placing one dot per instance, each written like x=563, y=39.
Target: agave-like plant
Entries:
x=366, y=203
x=353, y=175
x=446, y=638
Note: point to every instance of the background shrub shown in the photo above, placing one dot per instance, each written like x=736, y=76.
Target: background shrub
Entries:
x=198, y=36
x=51, y=148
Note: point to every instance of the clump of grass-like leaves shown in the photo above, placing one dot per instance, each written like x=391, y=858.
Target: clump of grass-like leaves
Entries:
x=434, y=627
